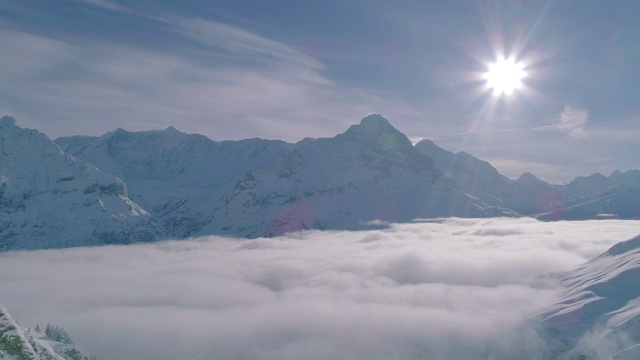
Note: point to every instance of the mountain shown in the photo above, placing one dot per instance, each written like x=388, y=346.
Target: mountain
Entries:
x=599, y=311
x=50, y=199
x=256, y=187
x=18, y=343
x=125, y=187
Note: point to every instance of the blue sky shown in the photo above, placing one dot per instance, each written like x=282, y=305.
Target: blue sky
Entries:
x=292, y=69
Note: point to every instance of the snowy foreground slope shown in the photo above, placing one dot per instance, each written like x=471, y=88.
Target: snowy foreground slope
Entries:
x=18, y=343
x=50, y=199
x=598, y=315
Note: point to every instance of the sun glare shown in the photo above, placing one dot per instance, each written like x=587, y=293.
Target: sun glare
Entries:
x=504, y=76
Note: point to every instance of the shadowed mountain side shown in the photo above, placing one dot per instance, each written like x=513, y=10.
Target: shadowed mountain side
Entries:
x=527, y=196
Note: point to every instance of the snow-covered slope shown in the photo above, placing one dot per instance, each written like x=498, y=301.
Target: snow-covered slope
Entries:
x=51, y=199
x=18, y=343
x=599, y=312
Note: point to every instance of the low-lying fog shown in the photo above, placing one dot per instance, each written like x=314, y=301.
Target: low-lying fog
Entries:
x=451, y=289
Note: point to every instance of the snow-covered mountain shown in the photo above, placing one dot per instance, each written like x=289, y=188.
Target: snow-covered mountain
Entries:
x=18, y=343
x=50, y=199
x=598, y=316
x=260, y=187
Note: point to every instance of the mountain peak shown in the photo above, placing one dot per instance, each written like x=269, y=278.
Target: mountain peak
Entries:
x=7, y=121
x=375, y=121
x=529, y=178
x=429, y=148
x=377, y=129
x=373, y=125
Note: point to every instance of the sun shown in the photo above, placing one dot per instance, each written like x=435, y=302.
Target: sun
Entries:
x=504, y=76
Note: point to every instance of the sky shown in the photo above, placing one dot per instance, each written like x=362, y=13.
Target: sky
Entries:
x=294, y=69
x=448, y=289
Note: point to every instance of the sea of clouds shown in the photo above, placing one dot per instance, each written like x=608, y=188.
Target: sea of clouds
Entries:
x=432, y=289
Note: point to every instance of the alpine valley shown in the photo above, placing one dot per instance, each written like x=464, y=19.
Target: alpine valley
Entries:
x=125, y=187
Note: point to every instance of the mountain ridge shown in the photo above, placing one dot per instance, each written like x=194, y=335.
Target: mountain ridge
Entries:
x=182, y=185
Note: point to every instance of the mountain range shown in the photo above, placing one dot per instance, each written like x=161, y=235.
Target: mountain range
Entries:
x=125, y=187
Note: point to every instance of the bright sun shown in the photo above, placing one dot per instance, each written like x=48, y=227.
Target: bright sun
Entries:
x=504, y=76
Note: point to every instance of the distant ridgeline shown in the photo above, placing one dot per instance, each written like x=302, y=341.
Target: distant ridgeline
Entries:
x=18, y=343
x=125, y=187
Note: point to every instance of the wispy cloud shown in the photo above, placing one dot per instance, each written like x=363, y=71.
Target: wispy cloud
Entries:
x=238, y=41
x=454, y=289
x=59, y=87
x=574, y=121
x=221, y=36
x=105, y=4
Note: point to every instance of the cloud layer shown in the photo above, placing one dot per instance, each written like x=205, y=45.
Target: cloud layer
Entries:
x=440, y=290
